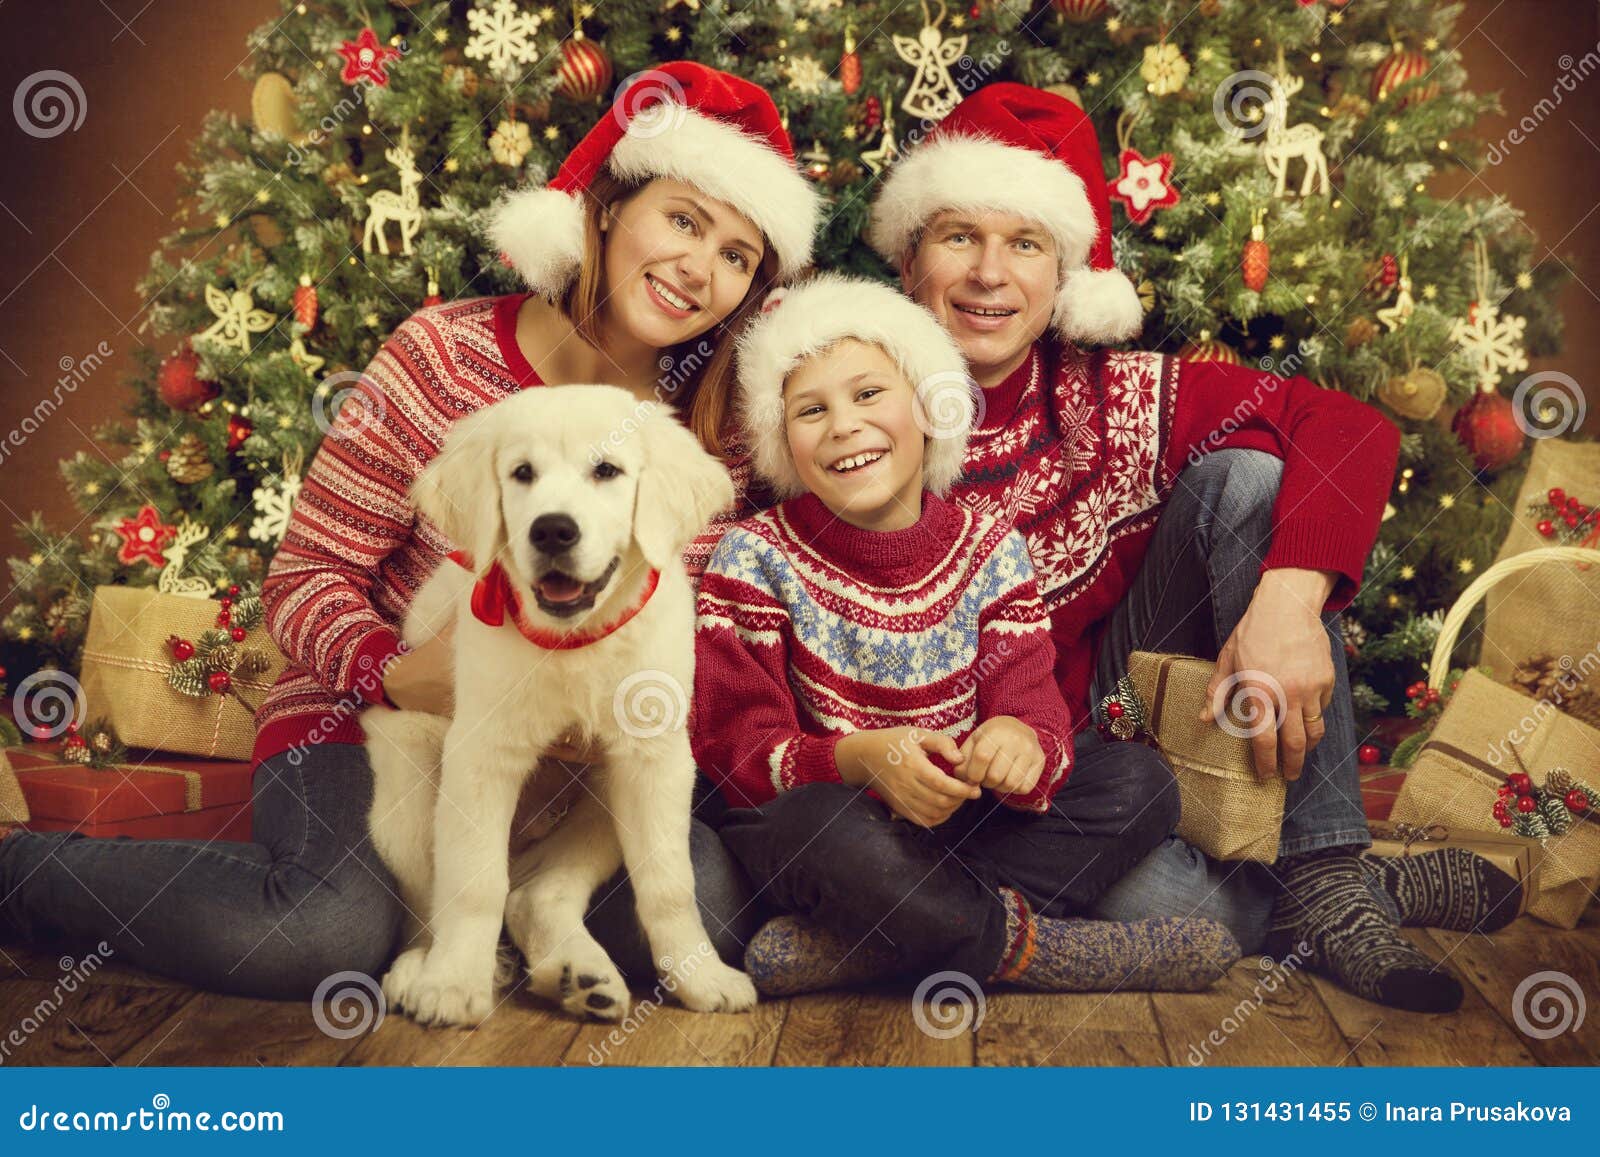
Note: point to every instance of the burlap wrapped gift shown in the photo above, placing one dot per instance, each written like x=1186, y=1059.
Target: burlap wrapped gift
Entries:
x=1549, y=610
x=13, y=807
x=1517, y=857
x=124, y=677
x=1488, y=731
x=1228, y=813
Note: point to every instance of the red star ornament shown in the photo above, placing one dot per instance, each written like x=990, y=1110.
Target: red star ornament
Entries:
x=144, y=537
x=365, y=59
x=1144, y=185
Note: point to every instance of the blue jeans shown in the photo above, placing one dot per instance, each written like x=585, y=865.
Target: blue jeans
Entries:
x=307, y=899
x=1197, y=580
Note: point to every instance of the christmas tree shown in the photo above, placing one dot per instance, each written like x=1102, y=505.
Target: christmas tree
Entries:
x=1271, y=163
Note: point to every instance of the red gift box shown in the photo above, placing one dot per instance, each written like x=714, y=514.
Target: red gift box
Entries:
x=151, y=796
x=1380, y=787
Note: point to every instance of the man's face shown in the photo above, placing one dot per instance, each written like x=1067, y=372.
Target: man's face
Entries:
x=991, y=279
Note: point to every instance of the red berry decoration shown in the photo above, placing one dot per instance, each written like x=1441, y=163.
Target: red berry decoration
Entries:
x=1570, y=519
x=1526, y=803
x=1546, y=527
x=238, y=634
x=1114, y=710
x=226, y=603
x=1577, y=801
x=1505, y=821
x=1369, y=754
x=233, y=591
x=1504, y=791
x=220, y=682
x=182, y=649
x=1520, y=783
x=1500, y=808
x=223, y=618
x=1556, y=495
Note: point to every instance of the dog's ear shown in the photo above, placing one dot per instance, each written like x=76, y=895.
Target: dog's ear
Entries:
x=682, y=487
x=458, y=490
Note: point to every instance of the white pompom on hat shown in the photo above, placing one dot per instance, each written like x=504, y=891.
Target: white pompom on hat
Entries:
x=1016, y=149
x=681, y=120
x=799, y=322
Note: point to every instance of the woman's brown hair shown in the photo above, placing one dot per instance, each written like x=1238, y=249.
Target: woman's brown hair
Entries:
x=704, y=394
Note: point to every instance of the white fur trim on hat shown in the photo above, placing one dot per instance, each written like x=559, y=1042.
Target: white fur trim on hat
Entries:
x=541, y=233
x=1097, y=305
x=719, y=159
x=830, y=308
x=976, y=173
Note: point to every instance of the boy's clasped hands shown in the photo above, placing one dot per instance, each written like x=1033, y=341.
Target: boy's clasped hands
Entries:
x=1002, y=754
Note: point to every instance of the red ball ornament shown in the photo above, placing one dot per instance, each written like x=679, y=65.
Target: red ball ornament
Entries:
x=182, y=649
x=220, y=682
x=1526, y=804
x=239, y=634
x=1546, y=527
x=1577, y=801
x=178, y=381
x=238, y=430
x=1400, y=67
x=1520, y=783
x=1487, y=427
x=1114, y=710
x=585, y=70
x=1369, y=754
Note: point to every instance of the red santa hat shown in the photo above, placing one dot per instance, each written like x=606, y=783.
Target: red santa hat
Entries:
x=797, y=323
x=1020, y=150
x=681, y=120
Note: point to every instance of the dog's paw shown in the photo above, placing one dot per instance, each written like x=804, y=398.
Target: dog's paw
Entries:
x=596, y=993
x=716, y=987
x=434, y=996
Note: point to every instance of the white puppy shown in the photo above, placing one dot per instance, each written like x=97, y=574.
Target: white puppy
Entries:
x=572, y=505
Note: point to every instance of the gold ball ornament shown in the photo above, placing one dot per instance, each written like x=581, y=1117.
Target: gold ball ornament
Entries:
x=1079, y=11
x=1209, y=349
x=1418, y=393
x=585, y=70
x=272, y=107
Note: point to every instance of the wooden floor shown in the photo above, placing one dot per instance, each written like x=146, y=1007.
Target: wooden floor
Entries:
x=124, y=1017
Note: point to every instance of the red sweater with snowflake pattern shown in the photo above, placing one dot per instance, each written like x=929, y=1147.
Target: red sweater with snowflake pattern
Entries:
x=1080, y=449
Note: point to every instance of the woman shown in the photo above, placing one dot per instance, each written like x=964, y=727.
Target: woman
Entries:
x=661, y=233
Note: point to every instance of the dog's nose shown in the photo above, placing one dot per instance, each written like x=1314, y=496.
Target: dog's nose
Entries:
x=553, y=533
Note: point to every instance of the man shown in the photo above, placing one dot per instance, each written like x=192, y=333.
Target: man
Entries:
x=1200, y=508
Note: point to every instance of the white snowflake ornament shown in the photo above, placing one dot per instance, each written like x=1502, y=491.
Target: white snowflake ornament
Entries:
x=502, y=36
x=273, y=502
x=1493, y=344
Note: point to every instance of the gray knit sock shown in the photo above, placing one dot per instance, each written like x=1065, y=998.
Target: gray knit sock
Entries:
x=1451, y=888
x=792, y=954
x=1166, y=954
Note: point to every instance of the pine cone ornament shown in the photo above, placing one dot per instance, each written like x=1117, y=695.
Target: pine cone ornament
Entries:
x=1559, y=781
x=1359, y=332
x=1545, y=678
x=189, y=463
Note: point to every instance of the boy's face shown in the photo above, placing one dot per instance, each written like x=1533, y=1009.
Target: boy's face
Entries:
x=991, y=279
x=852, y=422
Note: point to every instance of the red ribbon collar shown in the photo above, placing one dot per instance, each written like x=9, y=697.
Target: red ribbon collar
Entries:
x=493, y=594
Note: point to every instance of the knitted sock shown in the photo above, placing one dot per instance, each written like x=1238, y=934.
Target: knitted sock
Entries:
x=791, y=954
x=1327, y=907
x=1450, y=888
x=1169, y=954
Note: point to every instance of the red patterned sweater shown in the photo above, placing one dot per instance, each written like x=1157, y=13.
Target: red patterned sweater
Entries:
x=809, y=629
x=1080, y=449
x=356, y=550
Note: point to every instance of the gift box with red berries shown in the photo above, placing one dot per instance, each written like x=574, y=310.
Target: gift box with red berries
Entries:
x=146, y=795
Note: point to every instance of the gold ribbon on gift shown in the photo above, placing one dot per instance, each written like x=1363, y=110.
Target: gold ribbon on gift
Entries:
x=193, y=784
x=1407, y=834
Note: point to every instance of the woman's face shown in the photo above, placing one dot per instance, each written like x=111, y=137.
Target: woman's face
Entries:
x=677, y=262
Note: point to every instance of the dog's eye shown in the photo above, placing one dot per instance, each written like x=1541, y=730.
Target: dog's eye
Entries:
x=606, y=470
x=523, y=472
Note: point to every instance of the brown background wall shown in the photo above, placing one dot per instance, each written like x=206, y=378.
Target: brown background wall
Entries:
x=81, y=213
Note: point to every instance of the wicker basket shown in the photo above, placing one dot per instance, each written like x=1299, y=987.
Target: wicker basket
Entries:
x=1489, y=730
x=13, y=807
x=1228, y=813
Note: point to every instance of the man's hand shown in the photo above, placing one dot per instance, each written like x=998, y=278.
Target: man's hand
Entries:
x=894, y=762
x=1003, y=755
x=1276, y=671
x=423, y=678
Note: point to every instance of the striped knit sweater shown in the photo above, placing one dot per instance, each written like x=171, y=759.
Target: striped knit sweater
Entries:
x=356, y=551
x=1080, y=449
x=809, y=629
